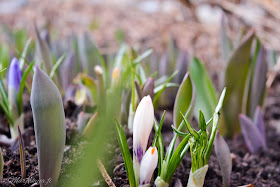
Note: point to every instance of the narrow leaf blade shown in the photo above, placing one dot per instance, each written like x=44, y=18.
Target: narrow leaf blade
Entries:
x=21, y=86
x=259, y=121
x=126, y=155
x=22, y=154
x=258, y=83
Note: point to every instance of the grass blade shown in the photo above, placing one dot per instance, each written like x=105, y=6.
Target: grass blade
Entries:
x=157, y=95
x=21, y=86
x=4, y=94
x=126, y=155
x=23, y=54
x=176, y=159
x=22, y=154
x=56, y=65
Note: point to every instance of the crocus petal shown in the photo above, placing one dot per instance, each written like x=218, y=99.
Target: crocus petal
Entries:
x=148, y=165
x=14, y=75
x=142, y=126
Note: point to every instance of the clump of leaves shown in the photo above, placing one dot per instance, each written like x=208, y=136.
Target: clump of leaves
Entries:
x=200, y=145
x=248, y=61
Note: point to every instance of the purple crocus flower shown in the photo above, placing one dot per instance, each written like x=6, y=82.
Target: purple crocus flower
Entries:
x=14, y=75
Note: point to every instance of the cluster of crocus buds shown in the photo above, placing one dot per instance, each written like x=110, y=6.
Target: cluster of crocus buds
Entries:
x=144, y=162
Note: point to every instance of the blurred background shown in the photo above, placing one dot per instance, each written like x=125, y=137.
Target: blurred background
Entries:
x=193, y=24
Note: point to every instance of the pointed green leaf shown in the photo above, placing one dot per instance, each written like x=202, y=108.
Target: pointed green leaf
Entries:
x=258, y=82
x=225, y=42
x=179, y=133
x=235, y=81
x=43, y=53
x=126, y=155
x=184, y=99
x=201, y=123
x=206, y=99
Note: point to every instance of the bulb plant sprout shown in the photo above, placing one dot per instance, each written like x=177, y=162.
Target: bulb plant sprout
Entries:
x=11, y=101
x=49, y=123
x=199, y=144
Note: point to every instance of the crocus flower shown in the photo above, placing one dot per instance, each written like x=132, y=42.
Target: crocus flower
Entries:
x=14, y=79
x=148, y=166
x=142, y=127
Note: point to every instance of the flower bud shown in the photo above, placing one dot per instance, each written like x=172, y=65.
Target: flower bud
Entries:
x=14, y=83
x=149, y=87
x=148, y=166
x=142, y=127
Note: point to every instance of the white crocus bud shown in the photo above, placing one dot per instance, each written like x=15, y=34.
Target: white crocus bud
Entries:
x=142, y=127
x=148, y=166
